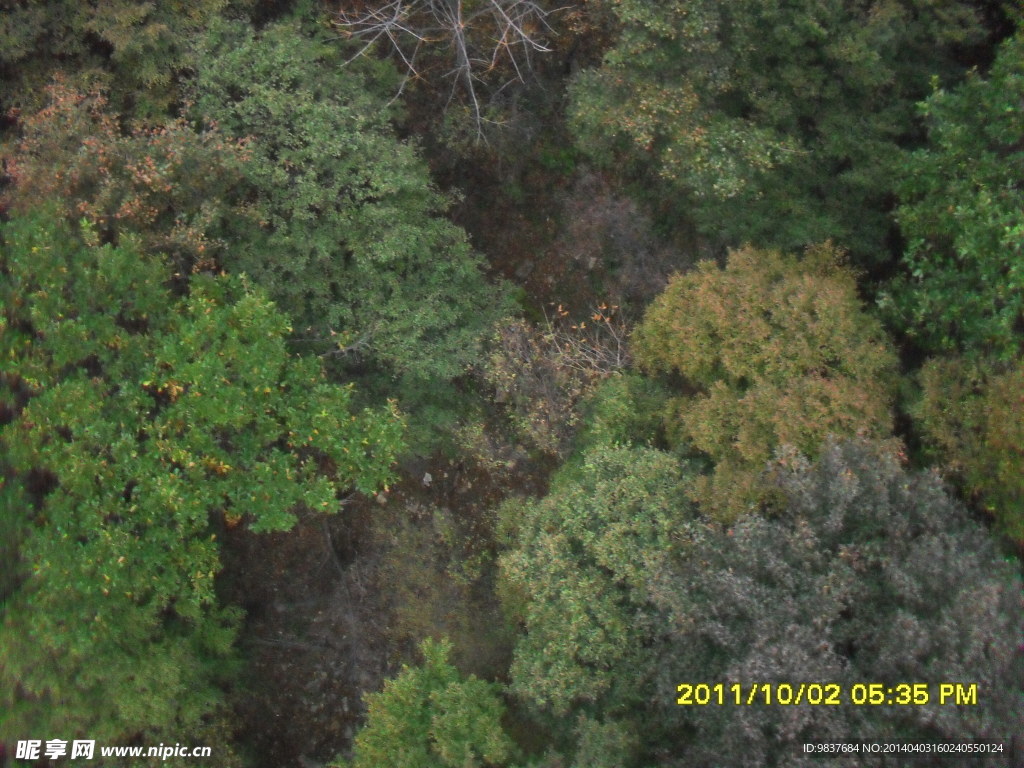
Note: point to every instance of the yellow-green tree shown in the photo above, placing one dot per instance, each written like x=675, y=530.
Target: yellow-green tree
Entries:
x=576, y=575
x=772, y=350
x=430, y=716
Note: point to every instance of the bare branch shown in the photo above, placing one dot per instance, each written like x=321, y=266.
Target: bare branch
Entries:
x=541, y=375
x=355, y=346
x=508, y=24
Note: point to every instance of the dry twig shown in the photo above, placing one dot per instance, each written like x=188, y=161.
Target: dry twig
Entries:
x=482, y=34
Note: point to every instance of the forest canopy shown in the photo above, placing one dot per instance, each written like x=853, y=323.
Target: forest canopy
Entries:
x=453, y=383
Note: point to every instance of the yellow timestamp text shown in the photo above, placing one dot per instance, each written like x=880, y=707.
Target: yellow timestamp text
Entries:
x=826, y=694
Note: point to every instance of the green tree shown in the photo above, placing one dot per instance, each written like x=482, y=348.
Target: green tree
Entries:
x=871, y=573
x=962, y=214
x=626, y=409
x=971, y=415
x=773, y=350
x=138, y=425
x=575, y=575
x=772, y=122
x=139, y=48
x=347, y=232
x=431, y=717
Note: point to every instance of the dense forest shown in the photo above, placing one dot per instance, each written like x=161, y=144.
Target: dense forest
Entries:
x=511, y=383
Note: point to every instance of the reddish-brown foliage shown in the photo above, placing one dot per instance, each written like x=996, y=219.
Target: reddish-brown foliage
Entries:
x=166, y=184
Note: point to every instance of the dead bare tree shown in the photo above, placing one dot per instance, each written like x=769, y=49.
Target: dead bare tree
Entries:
x=542, y=374
x=486, y=39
